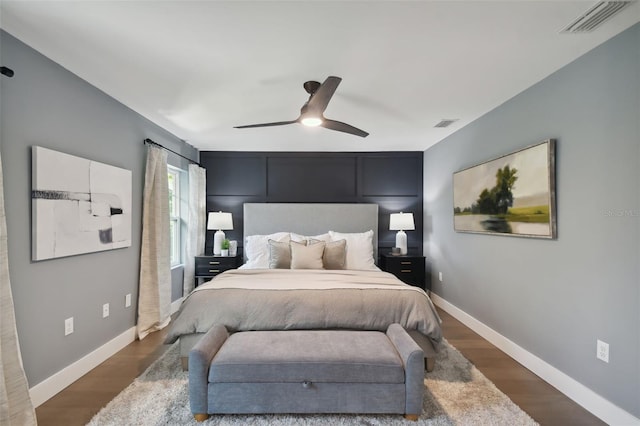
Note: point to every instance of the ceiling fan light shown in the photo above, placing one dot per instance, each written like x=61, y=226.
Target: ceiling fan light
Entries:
x=311, y=121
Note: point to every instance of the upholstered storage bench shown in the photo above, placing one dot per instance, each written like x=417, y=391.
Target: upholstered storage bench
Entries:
x=306, y=371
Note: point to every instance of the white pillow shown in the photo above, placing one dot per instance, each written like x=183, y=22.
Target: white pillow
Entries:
x=256, y=249
x=305, y=238
x=359, y=249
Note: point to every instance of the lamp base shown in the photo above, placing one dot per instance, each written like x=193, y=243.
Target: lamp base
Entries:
x=218, y=238
x=401, y=242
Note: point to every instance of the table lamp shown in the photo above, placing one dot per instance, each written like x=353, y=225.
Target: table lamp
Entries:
x=401, y=222
x=219, y=221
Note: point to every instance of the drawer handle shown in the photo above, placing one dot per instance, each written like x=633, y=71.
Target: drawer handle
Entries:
x=405, y=263
x=214, y=270
x=214, y=263
x=306, y=384
x=406, y=271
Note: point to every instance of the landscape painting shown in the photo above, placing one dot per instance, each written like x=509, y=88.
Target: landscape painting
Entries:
x=512, y=195
x=78, y=205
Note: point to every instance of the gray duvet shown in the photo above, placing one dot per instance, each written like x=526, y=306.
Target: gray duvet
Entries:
x=283, y=299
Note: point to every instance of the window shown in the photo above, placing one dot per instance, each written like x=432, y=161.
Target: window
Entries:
x=174, y=215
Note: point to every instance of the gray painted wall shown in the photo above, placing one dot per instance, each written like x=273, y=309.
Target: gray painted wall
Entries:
x=555, y=298
x=44, y=104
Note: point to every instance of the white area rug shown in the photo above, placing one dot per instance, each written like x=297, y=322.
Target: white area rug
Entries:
x=456, y=394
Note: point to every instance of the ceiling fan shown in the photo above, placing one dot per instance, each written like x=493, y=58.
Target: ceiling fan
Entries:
x=311, y=111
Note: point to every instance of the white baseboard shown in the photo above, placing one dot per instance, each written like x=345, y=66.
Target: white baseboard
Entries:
x=591, y=401
x=49, y=387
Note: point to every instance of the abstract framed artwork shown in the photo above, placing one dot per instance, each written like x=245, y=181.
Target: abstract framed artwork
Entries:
x=512, y=195
x=78, y=205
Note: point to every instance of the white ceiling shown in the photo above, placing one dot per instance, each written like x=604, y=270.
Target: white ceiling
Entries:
x=198, y=68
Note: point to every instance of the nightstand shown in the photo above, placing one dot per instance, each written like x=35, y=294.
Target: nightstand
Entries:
x=208, y=267
x=408, y=268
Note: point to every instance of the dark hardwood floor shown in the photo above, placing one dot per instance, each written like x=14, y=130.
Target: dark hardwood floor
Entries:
x=77, y=404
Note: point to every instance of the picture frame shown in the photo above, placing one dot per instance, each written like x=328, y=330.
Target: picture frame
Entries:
x=78, y=205
x=512, y=195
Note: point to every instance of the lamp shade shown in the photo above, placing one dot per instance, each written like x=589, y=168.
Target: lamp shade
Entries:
x=401, y=222
x=219, y=220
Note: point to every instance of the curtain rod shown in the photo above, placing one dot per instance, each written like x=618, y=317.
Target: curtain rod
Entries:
x=150, y=142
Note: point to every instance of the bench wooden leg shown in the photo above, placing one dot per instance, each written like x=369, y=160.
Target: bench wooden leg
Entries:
x=200, y=417
x=429, y=364
x=412, y=417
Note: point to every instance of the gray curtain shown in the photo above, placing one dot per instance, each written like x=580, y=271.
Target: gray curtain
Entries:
x=196, y=228
x=154, y=292
x=16, y=407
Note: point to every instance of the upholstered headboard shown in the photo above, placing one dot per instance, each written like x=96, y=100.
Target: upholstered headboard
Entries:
x=311, y=219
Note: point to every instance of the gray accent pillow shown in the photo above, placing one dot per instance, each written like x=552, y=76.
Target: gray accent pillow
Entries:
x=279, y=255
x=307, y=256
x=335, y=255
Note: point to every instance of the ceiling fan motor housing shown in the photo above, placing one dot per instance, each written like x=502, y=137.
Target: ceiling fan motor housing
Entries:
x=311, y=86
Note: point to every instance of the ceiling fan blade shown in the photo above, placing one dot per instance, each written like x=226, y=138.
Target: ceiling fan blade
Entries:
x=277, y=123
x=320, y=99
x=343, y=127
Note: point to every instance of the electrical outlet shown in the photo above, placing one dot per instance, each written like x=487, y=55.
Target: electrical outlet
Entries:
x=127, y=300
x=105, y=310
x=68, y=326
x=602, y=351
x=440, y=276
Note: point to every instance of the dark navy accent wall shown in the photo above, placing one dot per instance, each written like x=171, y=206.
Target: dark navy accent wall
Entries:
x=393, y=180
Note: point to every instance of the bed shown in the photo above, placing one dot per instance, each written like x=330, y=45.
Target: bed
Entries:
x=265, y=295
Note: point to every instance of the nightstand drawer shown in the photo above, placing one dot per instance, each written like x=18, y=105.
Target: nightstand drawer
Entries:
x=409, y=269
x=410, y=276
x=214, y=264
x=404, y=264
x=210, y=266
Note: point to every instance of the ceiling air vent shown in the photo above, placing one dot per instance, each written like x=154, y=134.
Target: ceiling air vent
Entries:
x=446, y=122
x=595, y=16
